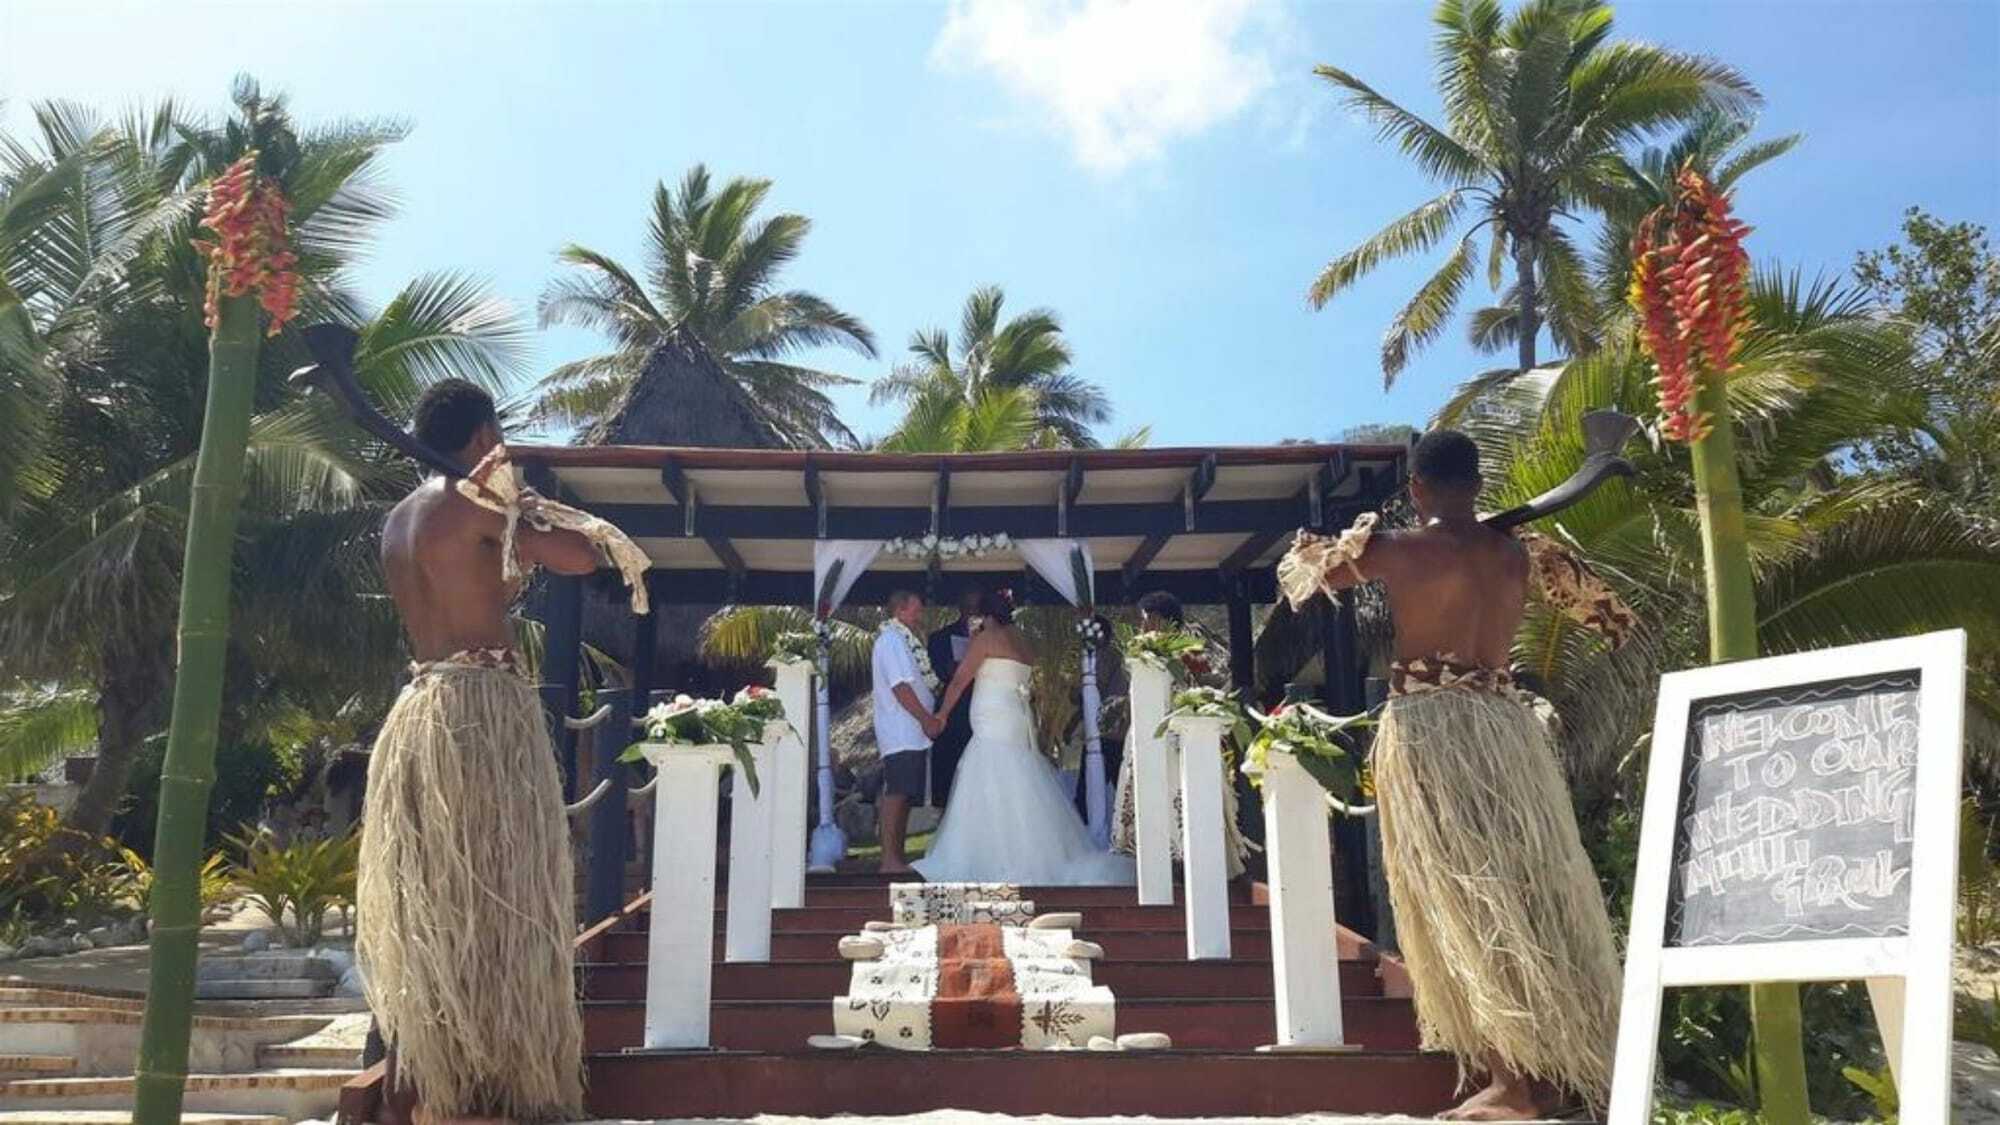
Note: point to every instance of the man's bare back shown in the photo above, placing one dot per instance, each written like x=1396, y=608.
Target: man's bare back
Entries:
x=441, y=557
x=1454, y=586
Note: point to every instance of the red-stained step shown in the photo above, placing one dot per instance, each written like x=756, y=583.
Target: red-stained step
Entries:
x=1069, y=1084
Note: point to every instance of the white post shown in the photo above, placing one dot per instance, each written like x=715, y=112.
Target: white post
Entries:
x=1305, y=957
x=746, y=928
x=680, y=943
x=1153, y=781
x=790, y=779
x=829, y=843
x=1095, y=801
x=1202, y=838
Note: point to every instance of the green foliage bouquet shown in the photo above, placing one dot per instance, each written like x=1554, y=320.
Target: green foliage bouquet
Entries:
x=1214, y=703
x=1178, y=652
x=795, y=647
x=1313, y=738
x=711, y=722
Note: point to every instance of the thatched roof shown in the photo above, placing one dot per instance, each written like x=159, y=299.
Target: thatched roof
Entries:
x=681, y=398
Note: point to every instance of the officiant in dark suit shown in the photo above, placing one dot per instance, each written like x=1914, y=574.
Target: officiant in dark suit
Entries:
x=947, y=648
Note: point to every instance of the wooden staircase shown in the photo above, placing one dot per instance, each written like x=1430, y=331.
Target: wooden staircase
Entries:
x=1217, y=1012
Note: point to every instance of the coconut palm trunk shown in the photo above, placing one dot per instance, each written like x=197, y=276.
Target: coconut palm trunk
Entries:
x=1528, y=300
x=1778, y=1043
x=190, y=764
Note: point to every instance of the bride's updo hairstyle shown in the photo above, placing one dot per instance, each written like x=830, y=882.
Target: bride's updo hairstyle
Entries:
x=996, y=605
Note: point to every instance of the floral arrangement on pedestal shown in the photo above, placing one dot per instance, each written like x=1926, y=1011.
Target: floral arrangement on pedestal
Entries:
x=1179, y=652
x=795, y=647
x=1213, y=703
x=737, y=723
x=1314, y=739
x=946, y=547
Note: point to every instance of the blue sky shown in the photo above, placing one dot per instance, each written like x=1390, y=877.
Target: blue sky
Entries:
x=1167, y=176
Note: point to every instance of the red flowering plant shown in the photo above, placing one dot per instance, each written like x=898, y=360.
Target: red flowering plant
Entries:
x=1690, y=284
x=250, y=253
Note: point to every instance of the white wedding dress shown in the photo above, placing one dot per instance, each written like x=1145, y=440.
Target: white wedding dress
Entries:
x=1010, y=818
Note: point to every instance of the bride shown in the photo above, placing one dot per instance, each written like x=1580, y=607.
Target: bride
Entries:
x=1010, y=819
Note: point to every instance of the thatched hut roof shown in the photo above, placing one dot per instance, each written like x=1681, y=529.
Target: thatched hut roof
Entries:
x=682, y=398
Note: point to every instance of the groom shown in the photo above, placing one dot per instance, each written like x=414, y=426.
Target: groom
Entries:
x=905, y=695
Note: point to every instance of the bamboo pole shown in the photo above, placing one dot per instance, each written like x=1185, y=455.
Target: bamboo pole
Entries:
x=1778, y=1042
x=189, y=772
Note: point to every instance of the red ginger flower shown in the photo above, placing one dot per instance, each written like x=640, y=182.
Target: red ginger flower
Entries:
x=1690, y=278
x=251, y=253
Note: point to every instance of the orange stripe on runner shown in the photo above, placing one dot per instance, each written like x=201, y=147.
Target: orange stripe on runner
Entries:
x=977, y=1004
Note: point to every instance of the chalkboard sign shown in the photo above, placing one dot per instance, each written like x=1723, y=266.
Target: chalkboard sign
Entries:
x=1801, y=824
x=1797, y=813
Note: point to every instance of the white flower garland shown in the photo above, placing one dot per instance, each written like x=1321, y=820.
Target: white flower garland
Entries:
x=948, y=547
x=917, y=650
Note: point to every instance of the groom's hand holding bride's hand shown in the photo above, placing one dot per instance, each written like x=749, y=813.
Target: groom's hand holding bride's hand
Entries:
x=933, y=726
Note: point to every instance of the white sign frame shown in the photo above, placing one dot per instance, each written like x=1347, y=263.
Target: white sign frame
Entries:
x=1909, y=977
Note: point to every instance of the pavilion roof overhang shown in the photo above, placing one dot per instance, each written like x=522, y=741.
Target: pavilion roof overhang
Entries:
x=739, y=524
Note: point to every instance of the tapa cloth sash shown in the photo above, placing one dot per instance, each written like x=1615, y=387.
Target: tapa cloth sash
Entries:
x=496, y=485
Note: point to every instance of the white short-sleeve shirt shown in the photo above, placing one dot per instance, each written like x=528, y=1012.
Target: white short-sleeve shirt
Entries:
x=896, y=730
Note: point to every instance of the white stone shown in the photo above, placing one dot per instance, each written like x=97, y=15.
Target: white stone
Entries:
x=1100, y=1043
x=256, y=941
x=1056, y=922
x=835, y=1042
x=1145, y=1041
x=862, y=948
x=103, y=935
x=352, y=983
x=1085, y=950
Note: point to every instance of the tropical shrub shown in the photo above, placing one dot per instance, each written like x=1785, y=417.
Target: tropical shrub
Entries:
x=49, y=871
x=212, y=882
x=1978, y=879
x=300, y=880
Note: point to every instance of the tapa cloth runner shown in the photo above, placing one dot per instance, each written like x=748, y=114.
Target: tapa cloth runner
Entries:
x=979, y=986
x=936, y=904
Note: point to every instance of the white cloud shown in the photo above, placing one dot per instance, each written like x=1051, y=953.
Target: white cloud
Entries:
x=1121, y=79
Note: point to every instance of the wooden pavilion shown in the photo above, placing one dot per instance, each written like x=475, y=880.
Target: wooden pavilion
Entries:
x=740, y=525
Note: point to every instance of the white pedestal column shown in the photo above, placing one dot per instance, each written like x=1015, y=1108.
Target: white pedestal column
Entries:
x=1150, y=758
x=1305, y=956
x=746, y=929
x=1202, y=843
x=790, y=780
x=680, y=943
x=829, y=843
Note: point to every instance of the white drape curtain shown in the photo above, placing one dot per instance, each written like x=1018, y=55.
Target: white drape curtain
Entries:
x=855, y=556
x=1050, y=558
x=852, y=556
x=1055, y=560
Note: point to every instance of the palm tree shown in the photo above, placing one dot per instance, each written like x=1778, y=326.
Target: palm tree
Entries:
x=1835, y=558
x=90, y=552
x=1715, y=144
x=1536, y=105
x=1026, y=358
x=712, y=270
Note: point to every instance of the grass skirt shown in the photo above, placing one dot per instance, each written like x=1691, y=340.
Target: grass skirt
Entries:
x=1498, y=912
x=465, y=902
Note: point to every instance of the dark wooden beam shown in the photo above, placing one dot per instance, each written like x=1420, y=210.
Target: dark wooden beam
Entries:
x=767, y=587
x=562, y=618
x=743, y=521
x=816, y=497
x=676, y=482
x=1196, y=486
x=940, y=499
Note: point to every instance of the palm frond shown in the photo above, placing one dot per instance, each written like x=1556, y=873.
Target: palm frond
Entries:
x=1434, y=150
x=40, y=726
x=1415, y=232
x=1425, y=315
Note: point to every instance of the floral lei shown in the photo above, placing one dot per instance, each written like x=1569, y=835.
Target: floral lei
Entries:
x=917, y=650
